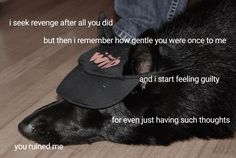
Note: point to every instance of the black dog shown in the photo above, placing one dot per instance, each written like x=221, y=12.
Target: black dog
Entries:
x=64, y=123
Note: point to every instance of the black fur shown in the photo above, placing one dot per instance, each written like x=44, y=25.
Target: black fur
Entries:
x=65, y=123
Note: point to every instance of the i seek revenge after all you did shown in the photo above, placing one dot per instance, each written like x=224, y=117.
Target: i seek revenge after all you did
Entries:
x=55, y=23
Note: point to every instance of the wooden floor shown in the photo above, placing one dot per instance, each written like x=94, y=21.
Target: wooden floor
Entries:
x=30, y=71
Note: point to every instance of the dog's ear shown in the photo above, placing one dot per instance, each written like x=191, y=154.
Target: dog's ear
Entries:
x=144, y=57
x=104, y=31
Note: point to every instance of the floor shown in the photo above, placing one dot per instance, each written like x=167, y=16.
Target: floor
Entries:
x=30, y=72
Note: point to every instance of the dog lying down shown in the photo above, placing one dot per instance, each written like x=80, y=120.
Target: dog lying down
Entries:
x=63, y=122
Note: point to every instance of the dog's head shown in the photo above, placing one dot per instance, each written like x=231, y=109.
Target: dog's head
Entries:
x=63, y=123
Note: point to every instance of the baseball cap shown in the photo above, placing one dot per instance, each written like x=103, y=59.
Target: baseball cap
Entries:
x=98, y=81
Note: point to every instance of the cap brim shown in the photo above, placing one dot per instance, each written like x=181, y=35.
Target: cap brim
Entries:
x=94, y=92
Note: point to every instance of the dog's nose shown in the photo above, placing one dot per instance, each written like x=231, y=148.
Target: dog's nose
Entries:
x=25, y=129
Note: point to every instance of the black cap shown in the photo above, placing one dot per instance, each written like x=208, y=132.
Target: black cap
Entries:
x=98, y=81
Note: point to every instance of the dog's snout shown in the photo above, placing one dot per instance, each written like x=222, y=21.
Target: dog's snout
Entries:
x=25, y=129
x=30, y=125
